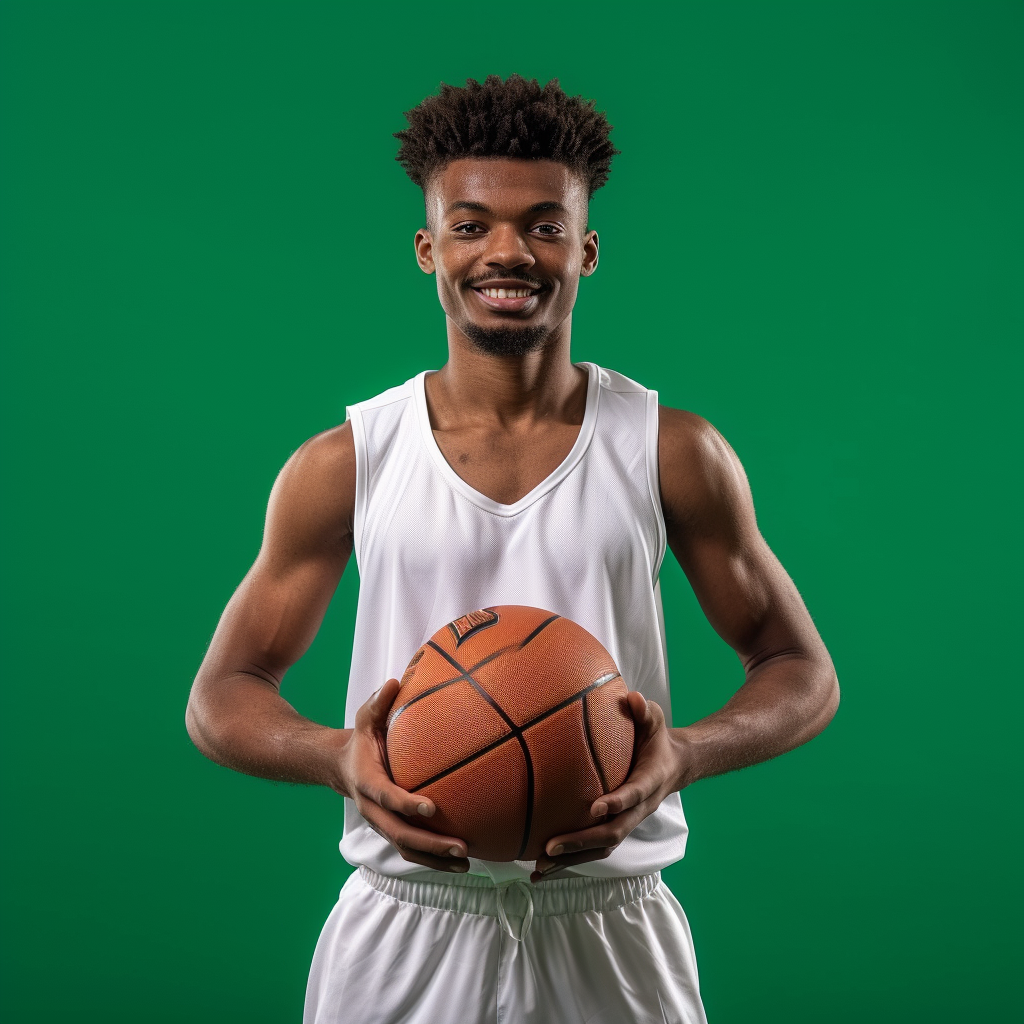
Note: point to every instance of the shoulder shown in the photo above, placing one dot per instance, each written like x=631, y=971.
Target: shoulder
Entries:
x=685, y=433
x=325, y=459
x=689, y=444
x=701, y=477
x=315, y=491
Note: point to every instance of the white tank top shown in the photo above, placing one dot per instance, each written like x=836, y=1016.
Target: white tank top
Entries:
x=586, y=543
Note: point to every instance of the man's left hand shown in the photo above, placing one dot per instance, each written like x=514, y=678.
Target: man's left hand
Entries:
x=656, y=773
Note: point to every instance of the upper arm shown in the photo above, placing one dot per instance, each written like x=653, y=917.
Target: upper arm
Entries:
x=709, y=516
x=274, y=614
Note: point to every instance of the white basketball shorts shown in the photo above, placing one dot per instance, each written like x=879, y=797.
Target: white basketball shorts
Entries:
x=565, y=951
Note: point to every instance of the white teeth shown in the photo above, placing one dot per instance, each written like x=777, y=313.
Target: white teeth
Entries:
x=506, y=293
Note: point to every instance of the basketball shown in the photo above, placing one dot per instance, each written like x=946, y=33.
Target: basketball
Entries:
x=513, y=721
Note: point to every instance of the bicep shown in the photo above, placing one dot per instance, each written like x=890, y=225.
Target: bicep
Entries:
x=276, y=611
x=748, y=598
x=744, y=591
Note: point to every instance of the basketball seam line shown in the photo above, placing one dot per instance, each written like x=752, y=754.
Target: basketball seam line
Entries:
x=531, y=636
x=590, y=745
x=516, y=729
x=528, y=817
x=463, y=677
x=466, y=673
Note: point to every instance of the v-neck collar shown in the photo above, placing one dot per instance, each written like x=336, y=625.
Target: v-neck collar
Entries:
x=552, y=480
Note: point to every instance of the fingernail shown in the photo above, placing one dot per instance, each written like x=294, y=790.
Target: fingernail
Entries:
x=424, y=809
x=556, y=851
x=550, y=867
x=455, y=851
x=599, y=809
x=458, y=867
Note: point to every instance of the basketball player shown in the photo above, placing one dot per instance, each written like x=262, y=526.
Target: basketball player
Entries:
x=512, y=475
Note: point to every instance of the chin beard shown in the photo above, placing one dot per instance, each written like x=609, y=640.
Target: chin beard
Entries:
x=506, y=341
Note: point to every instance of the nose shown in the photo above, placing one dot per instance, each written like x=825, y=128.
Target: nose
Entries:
x=507, y=248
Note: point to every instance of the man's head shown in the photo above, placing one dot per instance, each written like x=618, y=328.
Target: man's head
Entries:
x=507, y=170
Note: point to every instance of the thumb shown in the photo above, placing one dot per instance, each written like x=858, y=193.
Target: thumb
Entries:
x=648, y=717
x=379, y=705
x=637, y=706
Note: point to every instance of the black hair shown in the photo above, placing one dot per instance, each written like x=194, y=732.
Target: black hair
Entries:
x=515, y=118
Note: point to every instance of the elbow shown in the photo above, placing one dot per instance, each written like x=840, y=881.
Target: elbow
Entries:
x=829, y=698
x=192, y=725
x=198, y=727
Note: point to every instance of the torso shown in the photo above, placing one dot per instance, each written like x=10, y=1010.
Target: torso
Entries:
x=562, y=516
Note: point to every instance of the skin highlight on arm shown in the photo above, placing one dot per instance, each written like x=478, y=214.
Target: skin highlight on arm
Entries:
x=236, y=715
x=790, y=691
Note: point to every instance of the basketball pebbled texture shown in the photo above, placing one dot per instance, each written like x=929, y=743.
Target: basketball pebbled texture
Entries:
x=513, y=720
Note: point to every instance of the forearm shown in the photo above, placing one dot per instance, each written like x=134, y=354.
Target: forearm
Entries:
x=242, y=722
x=783, y=703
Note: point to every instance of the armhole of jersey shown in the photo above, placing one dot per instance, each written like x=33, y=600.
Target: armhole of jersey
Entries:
x=355, y=416
x=653, y=481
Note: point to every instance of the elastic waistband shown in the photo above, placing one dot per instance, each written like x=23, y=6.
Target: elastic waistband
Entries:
x=473, y=894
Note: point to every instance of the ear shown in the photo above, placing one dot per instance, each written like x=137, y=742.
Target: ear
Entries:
x=424, y=250
x=590, y=253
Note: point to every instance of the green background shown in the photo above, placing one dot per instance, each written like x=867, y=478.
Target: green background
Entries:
x=812, y=238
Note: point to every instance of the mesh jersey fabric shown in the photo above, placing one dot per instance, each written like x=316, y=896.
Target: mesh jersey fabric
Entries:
x=586, y=543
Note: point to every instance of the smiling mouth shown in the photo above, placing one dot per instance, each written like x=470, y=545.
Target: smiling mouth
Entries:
x=521, y=298
x=507, y=293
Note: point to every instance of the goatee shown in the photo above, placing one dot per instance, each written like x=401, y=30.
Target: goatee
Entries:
x=506, y=341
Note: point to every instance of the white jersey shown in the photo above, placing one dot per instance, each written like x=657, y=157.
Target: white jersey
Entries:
x=586, y=543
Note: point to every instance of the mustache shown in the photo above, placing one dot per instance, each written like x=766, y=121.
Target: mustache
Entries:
x=483, y=281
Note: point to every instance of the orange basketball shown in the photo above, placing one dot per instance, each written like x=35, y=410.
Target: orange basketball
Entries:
x=513, y=720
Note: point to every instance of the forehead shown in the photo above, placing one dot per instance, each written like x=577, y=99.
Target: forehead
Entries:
x=505, y=185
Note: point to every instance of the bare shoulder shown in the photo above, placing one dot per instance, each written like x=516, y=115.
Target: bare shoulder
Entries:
x=324, y=461
x=702, y=480
x=313, y=500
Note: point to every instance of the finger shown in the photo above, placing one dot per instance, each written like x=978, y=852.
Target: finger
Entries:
x=374, y=713
x=629, y=794
x=655, y=715
x=382, y=791
x=410, y=841
x=642, y=784
x=610, y=833
x=637, y=705
x=647, y=714
x=549, y=866
x=428, y=860
x=459, y=867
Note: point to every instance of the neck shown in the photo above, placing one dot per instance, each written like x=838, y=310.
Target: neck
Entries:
x=503, y=390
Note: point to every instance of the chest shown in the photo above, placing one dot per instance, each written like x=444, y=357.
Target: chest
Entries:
x=506, y=465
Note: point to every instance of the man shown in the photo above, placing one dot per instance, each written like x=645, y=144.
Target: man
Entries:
x=510, y=476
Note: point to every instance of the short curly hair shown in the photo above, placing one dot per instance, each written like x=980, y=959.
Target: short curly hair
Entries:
x=515, y=118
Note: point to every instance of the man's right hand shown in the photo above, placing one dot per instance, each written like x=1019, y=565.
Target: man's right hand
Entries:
x=381, y=803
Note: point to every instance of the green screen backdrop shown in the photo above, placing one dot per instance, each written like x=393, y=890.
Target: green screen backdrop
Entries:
x=812, y=238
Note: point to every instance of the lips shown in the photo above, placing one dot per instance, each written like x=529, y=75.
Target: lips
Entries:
x=507, y=296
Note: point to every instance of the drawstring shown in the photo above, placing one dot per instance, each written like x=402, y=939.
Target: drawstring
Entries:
x=527, y=890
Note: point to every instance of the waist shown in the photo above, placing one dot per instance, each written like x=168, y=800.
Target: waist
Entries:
x=475, y=894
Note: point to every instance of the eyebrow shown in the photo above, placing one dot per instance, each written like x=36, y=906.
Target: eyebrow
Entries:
x=465, y=204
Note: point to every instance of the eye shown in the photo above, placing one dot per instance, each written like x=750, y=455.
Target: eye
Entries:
x=548, y=229
x=467, y=229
